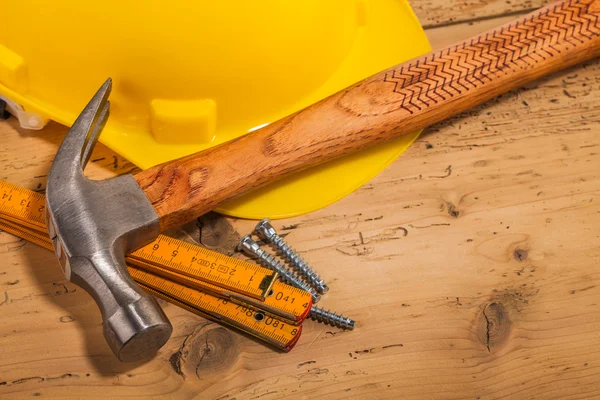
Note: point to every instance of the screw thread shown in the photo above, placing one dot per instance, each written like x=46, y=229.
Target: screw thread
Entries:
x=331, y=318
x=287, y=276
x=298, y=264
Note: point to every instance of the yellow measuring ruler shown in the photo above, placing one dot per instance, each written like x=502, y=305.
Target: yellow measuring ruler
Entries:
x=209, y=271
x=281, y=300
x=25, y=233
x=209, y=266
x=272, y=330
x=275, y=331
x=284, y=306
x=22, y=206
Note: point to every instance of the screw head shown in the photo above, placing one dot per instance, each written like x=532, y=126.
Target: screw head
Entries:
x=265, y=230
x=248, y=246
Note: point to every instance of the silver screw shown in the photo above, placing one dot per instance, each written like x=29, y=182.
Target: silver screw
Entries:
x=333, y=319
x=266, y=232
x=251, y=248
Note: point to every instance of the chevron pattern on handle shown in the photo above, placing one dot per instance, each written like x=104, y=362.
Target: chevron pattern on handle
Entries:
x=469, y=65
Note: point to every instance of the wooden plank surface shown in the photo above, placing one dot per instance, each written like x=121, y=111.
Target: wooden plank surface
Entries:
x=438, y=13
x=471, y=266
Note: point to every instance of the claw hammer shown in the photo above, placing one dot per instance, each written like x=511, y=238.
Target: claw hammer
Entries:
x=93, y=224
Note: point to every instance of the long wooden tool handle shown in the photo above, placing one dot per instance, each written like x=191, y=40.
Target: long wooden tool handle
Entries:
x=394, y=102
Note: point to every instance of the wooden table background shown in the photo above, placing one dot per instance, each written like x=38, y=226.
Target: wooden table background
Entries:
x=472, y=265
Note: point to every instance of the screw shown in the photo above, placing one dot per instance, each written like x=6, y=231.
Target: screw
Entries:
x=252, y=248
x=333, y=319
x=266, y=232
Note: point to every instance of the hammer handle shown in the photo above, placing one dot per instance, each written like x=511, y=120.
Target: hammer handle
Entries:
x=395, y=102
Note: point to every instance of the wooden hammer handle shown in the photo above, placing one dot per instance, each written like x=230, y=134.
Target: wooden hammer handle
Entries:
x=394, y=102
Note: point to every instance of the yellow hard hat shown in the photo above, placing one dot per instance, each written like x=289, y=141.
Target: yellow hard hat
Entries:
x=192, y=74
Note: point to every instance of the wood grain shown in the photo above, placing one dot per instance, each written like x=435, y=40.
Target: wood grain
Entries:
x=395, y=102
x=443, y=13
x=498, y=205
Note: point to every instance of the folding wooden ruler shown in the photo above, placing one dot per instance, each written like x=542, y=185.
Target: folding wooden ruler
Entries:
x=221, y=288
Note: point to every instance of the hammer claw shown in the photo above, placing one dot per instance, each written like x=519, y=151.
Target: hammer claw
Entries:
x=96, y=129
x=86, y=129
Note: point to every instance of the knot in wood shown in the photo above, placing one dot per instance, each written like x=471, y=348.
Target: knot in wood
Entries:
x=494, y=326
x=520, y=254
x=216, y=233
x=453, y=211
x=208, y=351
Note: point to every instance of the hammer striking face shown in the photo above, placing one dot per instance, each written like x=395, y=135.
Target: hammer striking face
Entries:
x=93, y=224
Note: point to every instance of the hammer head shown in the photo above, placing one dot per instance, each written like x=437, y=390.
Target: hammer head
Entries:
x=93, y=224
